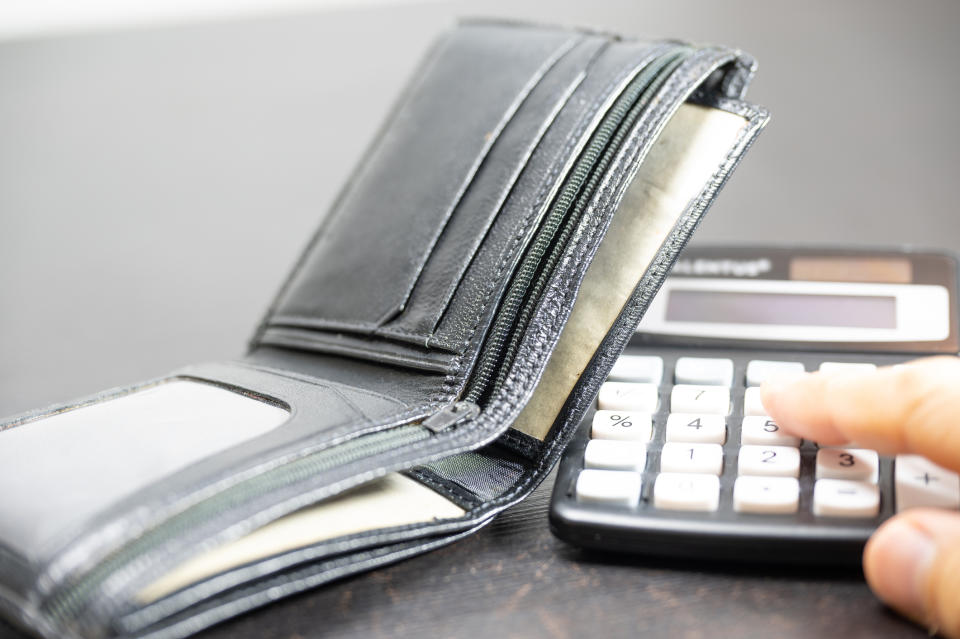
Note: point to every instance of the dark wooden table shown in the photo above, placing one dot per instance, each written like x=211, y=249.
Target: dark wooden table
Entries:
x=141, y=169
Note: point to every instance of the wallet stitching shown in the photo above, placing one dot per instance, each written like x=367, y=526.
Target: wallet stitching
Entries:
x=316, y=381
x=560, y=161
x=430, y=59
x=420, y=360
x=511, y=110
x=556, y=108
x=461, y=496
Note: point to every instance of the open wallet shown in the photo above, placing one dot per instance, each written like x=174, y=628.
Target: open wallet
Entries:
x=422, y=367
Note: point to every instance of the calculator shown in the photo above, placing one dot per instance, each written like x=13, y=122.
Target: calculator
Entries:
x=678, y=458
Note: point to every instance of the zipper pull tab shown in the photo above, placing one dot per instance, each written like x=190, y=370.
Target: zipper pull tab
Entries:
x=450, y=416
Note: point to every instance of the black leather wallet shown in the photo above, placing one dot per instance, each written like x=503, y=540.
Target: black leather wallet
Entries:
x=425, y=362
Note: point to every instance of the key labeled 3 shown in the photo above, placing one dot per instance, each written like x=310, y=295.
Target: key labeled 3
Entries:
x=856, y=464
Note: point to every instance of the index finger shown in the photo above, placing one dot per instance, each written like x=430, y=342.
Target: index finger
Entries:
x=908, y=408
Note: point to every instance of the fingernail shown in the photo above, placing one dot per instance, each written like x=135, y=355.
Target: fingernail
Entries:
x=900, y=557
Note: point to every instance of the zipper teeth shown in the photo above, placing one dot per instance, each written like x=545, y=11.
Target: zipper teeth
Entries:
x=537, y=265
x=72, y=600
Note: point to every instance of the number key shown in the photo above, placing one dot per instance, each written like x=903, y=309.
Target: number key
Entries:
x=760, y=430
x=686, y=398
x=704, y=429
x=706, y=459
x=769, y=461
x=641, y=398
x=855, y=464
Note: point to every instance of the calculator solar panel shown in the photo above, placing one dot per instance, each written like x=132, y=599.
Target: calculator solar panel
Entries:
x=678, y=457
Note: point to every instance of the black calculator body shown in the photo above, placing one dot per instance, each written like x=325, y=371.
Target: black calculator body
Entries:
x=677, y=457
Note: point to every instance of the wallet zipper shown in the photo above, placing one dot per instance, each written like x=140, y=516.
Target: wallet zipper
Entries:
x=68, y=604
x=542, y=255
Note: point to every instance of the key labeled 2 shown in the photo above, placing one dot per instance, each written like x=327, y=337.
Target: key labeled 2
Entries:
x=769, y=461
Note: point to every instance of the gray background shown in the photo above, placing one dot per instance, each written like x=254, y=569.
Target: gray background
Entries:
x=156, y=184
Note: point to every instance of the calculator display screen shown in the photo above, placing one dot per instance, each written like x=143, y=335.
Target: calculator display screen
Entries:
x=740, y=307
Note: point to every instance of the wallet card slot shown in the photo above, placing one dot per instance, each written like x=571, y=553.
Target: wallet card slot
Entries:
x=229, y=494
x=468, y=314
x=483, y=200
x=386, y=224
x=551, y=240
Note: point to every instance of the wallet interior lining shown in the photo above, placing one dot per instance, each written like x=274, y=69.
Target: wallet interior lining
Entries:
x=393, y=500
x=690, y=149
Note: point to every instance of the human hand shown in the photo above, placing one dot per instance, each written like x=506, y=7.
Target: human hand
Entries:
x=912, y=561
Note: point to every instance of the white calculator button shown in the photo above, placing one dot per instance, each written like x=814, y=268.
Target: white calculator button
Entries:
x=638, y=368
x=613, y=487
x=760, y=430
x=619, y=424
x=642, y=398
x=760, y=370
x=768, y=495
x=847, y=367
x=681, y=491
x=690, y=427
x=610, y=454
x=691, y=458
x=845, y=498
x=704, y=370
x=856, y=464
x=920, y=482
x=769, y=461
x=752, y=404
x=714, y=400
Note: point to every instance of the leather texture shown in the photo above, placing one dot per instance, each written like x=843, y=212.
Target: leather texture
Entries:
x=382, y=321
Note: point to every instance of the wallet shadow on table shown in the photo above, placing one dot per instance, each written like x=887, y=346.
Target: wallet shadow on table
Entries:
x=423, y=366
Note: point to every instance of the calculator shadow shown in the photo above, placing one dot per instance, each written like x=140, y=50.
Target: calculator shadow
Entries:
x=744, y=569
